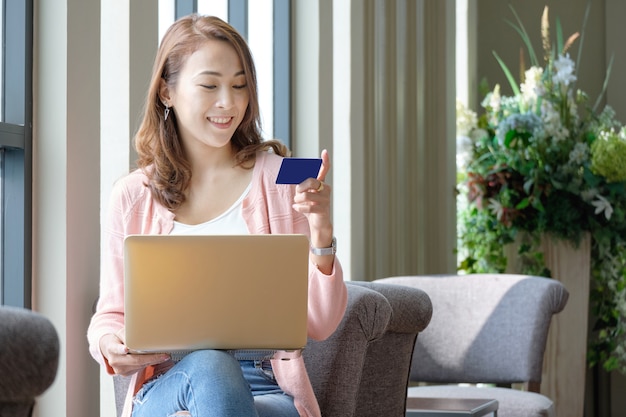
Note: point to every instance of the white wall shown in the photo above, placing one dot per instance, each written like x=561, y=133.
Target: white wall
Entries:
x=66, y=136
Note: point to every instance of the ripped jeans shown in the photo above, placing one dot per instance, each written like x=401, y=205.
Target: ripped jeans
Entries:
x=212, y=383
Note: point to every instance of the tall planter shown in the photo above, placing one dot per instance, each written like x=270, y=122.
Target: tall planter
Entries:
x=565, y=358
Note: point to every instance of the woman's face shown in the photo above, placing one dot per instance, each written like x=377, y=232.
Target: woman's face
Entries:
x=211, y=97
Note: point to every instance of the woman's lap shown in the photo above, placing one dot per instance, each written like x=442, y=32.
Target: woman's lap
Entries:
x=212, y=383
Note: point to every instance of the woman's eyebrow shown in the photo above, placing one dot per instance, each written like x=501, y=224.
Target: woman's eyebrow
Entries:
x=219, y=74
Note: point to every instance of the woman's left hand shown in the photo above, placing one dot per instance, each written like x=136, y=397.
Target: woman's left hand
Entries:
x=312, y=199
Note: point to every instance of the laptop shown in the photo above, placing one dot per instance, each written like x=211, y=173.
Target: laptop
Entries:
x=241, y=293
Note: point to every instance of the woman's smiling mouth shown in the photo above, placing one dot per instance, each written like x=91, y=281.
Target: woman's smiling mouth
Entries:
x=221, y=121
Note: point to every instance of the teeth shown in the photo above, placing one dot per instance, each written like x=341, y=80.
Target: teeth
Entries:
x=220, y=120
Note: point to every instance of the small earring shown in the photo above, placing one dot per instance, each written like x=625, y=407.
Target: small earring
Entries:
x=167, y=111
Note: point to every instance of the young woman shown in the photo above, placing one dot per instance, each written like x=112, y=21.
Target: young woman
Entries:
x=203, y=168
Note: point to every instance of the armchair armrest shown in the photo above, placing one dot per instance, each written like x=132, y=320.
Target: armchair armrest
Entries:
x=29, y=357
x=412, y=310
x=388, y=362
x=335, y=365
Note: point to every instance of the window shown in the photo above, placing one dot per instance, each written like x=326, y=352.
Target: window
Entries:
x=15, y=152
x=268, y=35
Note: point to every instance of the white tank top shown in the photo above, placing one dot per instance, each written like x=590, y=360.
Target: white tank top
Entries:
x=230, y=222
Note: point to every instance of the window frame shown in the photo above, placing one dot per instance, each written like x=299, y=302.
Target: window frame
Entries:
x=16, y=144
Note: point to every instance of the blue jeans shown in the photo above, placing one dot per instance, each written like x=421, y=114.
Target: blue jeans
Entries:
x=212, y=383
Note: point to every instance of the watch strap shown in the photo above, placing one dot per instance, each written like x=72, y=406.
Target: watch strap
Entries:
x=331, y=250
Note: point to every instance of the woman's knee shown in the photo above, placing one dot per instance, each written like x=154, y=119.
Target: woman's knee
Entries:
x=215, y=362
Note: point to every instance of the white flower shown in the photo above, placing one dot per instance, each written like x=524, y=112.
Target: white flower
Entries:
x=492, y=100
x=603, y=205
x=573, y=108
x=531, y=88
x=579, y=154
x=588, y=195
x=564, y=71
x=552, y=124
x=464, y=147
x=496, y=208
x=477, y=134
x=466, y=119
x=560, y=134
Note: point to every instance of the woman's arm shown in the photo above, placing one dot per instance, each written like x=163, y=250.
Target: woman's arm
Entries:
x=327, y=290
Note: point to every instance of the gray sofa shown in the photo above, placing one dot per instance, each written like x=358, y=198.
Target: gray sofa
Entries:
x=29, y=358
x=362, y=370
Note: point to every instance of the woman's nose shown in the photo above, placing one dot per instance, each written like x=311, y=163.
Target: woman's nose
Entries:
x=226, y=98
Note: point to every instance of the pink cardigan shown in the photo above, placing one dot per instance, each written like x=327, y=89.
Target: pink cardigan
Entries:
x=266, y=209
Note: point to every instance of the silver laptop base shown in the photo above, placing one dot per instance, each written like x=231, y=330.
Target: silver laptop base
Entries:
x=248, y=354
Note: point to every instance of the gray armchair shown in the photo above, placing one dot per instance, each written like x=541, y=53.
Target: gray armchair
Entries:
x=486, y=328
x=29, y=358
x=362, y=370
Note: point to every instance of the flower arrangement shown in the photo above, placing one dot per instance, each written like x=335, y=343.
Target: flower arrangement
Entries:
x=544, y=161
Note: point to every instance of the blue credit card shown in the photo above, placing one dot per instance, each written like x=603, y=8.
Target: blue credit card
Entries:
x=296, y=170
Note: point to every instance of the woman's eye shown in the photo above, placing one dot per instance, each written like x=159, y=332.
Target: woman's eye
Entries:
x=239, y=87
x=208, y=87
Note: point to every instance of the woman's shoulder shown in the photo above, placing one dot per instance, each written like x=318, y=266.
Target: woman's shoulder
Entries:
x=132, y=180
x=131, y=187
x=266, y=167
x=268, y=161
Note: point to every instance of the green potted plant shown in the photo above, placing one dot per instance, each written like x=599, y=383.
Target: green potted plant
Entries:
x=548, y=161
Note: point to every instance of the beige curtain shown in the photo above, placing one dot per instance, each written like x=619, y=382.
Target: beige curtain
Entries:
x=395, y=181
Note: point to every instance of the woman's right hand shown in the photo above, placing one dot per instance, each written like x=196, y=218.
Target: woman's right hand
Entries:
x=121, y=361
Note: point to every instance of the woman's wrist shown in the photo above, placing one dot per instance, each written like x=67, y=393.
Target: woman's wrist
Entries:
x=324, y=256
x=321, y=238
x=325, y=250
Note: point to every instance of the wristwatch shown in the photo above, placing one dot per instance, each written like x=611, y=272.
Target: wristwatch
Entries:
x=326, y=251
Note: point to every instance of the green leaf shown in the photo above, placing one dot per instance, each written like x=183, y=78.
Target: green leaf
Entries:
x=559, y=37
x=604, y=85
x=508, y=74
x=611, y=364
x=528, y=185
x=557, y=184
x=618, y=188
x=582, y=35
x=523, y=204
x=592, y=180
x=467, y=265
x=538, y=105
x=524, y=248
x=483, y=87
x=508, y=138
x=524, y=35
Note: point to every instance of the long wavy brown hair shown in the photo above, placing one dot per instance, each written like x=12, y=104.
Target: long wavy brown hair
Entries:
x=161, y=154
